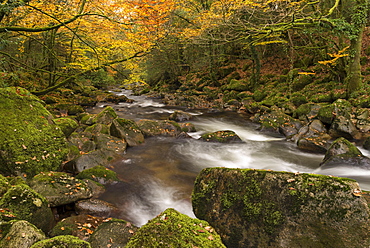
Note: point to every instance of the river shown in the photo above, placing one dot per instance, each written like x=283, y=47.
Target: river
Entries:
x=160, y=173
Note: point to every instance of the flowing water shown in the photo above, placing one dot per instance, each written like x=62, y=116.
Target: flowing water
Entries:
x=160, y=173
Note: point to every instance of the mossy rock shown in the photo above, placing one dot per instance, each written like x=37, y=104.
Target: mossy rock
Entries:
x=343, y=152
x=20, y=234
x=179, y=116
x=127, y=130
x=258, y=208
x=4, y=185
x=68, y=108
x=238, y=85
x=159, y=128
x=97, y=128
x=187, y=127
x=28, y=205
x=301, y=81
x=66, y=241
x=115, y=229
x=67, y=125
x=30, y=141
x=106, y=116
x=60, y=188
x=81, y=226
x=173, y=229
x=99, y=174
x=226, y=136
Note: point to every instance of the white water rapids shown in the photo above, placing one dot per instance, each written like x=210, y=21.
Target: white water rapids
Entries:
x=160, y=173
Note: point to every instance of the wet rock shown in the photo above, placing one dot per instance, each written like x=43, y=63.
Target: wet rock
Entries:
x=173, y=229
x=257, y=208
x=366, y=144
x=114, y=233
x=97, y=128
x=183, y=135
x=343, y=152
x=20, y=234
x=127, y=130
x=60, y=188
x=83, y=141
x=187, y=127
x=81, y=226
x=99, y=174
x=159, y=128
x=307, y=112
x=30, y=142
x=117, y=99
x=180, y=116
x=96, y=207
x=344, y=127
x=62, y=241
x=277, y=120
x=313, y=137
x=27, y=204
x=226, y=136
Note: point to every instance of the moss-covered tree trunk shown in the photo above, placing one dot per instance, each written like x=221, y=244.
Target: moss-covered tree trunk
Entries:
x=354, y=77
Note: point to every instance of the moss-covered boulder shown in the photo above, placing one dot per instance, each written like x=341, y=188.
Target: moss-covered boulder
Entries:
x=19, y=234
x=116, y=230
x=187, y=127
x=67, y=125
x=83, y=141
x=258, y=208
x=65, y=241
x=127, y=130
x=173, y=229
x=30, y=142
x=226, y=136
x=275, y=120
x=99, y=174
x=159, y=128
x=97, y=128
x=106, y=116
x=81, y=226
x=27, y=204
x=343, y=152
x=60, y=188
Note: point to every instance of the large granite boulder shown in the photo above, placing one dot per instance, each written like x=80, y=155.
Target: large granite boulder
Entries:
x=114, y=233
x=275, y=120
x=343, y=152
x=173, y=229
x=60, y=188
x=30, y=142
x=99, y=174
x=258, y=208
x=27, y=204
x=19, y=234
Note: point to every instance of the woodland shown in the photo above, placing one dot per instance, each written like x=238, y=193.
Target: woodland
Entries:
x=188, y=46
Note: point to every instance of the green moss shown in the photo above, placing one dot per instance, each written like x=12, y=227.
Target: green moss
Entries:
x=97, y=128
x=172, y=229
x=62, y=228
x=62, y=241
x=106, y=116
x=29, y=143
x=97, y=172
x=221, y=137
x=67, y=125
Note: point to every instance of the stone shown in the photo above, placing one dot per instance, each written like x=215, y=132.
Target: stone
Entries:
x=96, y=207
x=127, y=130
x=30, y=142
x=99, y=174
x=313, y=137
x=116, y=230
x=106, y=116
x=20, y=234
x=180, y=116
x=259, y=208
x=343, y=152
x=226, y=136
x=344, y=127
x=26, y=204
x=62, y=241
x=173, y=229
x=60, y=188
x=159, y=128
